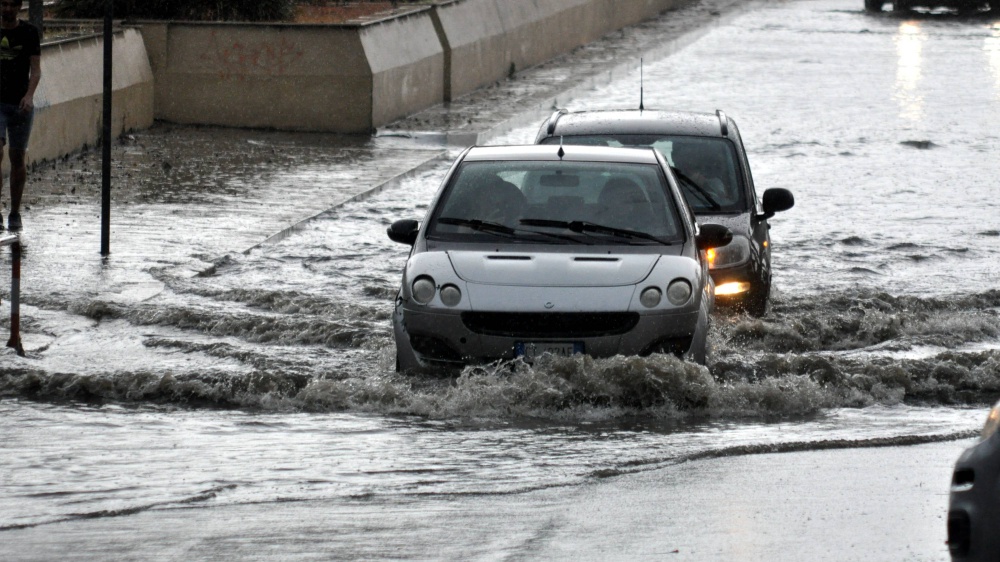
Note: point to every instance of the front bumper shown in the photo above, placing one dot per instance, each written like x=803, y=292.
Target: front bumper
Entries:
x=974, y=506
x=449, y=337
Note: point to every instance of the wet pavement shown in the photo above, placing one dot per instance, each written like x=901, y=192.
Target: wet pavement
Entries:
x=223, y=383
x=683, y=512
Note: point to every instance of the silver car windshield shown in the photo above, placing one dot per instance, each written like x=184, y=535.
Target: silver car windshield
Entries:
x=557, y=203
x=705, y=167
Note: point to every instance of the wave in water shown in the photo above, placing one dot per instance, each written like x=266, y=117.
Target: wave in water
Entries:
x=852, y=349
x=767, y=385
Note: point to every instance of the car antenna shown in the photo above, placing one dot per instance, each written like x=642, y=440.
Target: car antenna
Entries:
x=641, y=92
x=561, y=152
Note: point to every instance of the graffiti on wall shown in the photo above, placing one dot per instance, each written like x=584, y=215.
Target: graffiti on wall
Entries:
x=237, y=59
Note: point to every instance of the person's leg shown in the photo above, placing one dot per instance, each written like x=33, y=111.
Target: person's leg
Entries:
x=18, y=174
x=19, y=130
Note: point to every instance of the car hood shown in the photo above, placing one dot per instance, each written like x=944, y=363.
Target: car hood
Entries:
x=552, y=269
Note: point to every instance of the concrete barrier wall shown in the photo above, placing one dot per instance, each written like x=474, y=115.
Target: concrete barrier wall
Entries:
x=278, y=77
x=69, y=98
x=347, y=79
x=406, y=60
x=334, y=78
x=486, y=39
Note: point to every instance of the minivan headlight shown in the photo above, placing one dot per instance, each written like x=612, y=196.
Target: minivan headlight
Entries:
x=736, y=252
x=992, y=422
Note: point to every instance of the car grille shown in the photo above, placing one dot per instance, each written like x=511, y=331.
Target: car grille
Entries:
x=549, y=324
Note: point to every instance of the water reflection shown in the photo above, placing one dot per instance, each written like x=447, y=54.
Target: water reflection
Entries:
x=909, y=51
x=991, y=46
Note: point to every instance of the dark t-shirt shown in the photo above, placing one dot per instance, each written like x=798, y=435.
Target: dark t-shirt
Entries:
x=17, y=46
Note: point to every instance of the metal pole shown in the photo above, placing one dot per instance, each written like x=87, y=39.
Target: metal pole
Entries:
x=15, y=299
x=35, y=13
x=106, y=157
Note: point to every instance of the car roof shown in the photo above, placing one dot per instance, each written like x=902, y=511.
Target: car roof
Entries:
x=634, y=121
x=570, y=153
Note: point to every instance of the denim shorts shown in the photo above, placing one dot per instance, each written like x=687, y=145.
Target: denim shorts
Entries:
x=15, y=126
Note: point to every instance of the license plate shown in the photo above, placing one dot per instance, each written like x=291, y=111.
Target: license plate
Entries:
x=531, y=350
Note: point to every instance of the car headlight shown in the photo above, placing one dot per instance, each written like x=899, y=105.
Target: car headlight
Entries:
x=678, y=292
x=423, y=289
x=451, y=295
x=650, y=297
x=992, y=422
x=736, y=252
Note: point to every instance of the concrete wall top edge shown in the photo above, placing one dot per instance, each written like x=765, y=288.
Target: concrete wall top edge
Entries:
x=73, y=71
x=412, y=40
x=404, y=13
x=118, y=33
x=468, y=22
x=281, y=53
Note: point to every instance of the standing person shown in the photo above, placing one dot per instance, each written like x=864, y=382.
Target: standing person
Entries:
x=20, y=71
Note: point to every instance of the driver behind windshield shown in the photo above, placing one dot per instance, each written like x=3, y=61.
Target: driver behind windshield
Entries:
x=492, y=199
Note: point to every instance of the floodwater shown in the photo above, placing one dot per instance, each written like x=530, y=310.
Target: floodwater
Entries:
x=259, y=395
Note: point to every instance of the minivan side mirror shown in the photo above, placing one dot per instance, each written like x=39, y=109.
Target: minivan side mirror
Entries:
x=775, y=200
x=713, y=236
x=404, y=231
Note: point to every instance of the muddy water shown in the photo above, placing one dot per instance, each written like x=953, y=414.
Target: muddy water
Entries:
x=268, y=377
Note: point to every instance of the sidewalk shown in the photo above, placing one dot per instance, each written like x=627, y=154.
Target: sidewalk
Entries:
x=184, y=197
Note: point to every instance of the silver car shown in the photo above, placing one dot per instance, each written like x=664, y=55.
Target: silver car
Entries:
x=974, y=510
x=529, y=250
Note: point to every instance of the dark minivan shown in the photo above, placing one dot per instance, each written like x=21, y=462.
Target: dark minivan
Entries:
x=708, y=158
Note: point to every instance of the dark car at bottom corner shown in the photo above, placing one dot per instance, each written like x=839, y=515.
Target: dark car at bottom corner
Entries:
x=708, y=158
x=906, y=6
x=974, y=504
x=529, y=250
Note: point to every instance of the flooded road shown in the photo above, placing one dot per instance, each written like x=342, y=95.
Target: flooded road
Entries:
x=237, y=395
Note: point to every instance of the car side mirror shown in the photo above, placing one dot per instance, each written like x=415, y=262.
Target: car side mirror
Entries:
x=404, y=231
x=776, y=200
x=713, y=236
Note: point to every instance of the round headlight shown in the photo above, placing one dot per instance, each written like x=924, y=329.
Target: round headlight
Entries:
x=451, y=295
x=650, y=297
x=423, y=289
x=992, y=422
x=678, y=292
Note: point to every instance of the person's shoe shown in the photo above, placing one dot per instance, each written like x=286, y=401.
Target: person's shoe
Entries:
x=14, y=221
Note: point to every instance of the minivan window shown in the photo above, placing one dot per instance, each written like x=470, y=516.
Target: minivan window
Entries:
x=706, y=167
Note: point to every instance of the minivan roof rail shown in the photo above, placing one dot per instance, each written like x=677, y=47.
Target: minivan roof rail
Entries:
x=723, y=122
x=554, y=118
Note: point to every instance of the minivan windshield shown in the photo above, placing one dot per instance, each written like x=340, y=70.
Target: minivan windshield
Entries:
x=561, y=202
x=705, y=167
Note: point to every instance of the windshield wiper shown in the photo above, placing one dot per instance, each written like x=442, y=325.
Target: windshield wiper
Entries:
x=589, y=227
x=478, y=225
x=715, y=206
x=501, y=229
